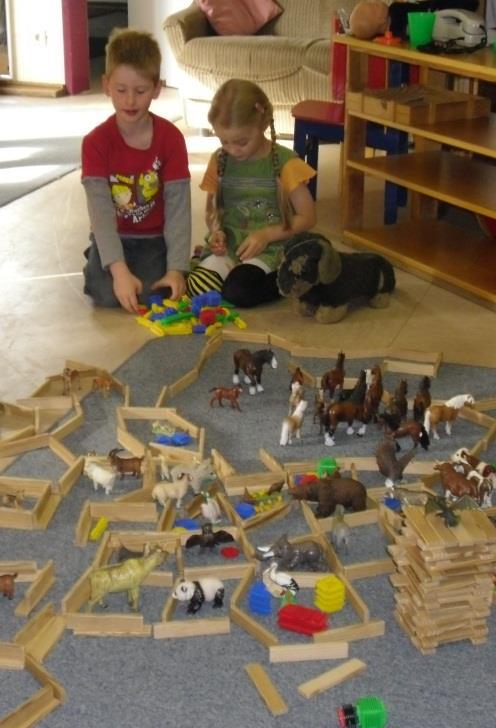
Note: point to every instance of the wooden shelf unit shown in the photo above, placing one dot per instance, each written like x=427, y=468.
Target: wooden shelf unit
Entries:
x=441, y=168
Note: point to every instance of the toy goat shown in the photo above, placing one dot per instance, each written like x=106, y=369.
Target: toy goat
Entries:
x=7, y=585
x=125, y=465
x=100, y=476
x=127, y=576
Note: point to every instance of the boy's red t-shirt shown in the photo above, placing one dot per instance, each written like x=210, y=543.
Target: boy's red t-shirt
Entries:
x=136, y=176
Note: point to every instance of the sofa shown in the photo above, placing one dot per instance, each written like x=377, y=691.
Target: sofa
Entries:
x=289, y=58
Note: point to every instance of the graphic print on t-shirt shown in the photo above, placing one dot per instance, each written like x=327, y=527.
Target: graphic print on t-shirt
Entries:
x=134, y=195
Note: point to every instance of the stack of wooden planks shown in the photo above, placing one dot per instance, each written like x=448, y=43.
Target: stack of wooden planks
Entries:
x=444, y=577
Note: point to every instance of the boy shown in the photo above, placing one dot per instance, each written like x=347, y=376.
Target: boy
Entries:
x=137, y=183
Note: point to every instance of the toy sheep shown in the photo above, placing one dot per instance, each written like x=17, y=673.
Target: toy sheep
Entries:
x=323, y=281
x=208, y=589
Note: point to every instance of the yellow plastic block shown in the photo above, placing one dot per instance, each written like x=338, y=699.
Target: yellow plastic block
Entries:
x=156, y=329
x=143, y=321
x=329, y=594
x=238, y=321
x=156, y=308
x=168, y=303
x=180, y=329
x=210, y=330
x=98, y=529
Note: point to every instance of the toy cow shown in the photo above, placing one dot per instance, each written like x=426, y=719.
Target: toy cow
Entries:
x=328, y=492
x=208, y=589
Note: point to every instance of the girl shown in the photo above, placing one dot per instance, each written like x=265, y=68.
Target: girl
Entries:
x=257, y=198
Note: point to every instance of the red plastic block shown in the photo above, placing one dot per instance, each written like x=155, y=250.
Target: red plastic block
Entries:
x=305, y=620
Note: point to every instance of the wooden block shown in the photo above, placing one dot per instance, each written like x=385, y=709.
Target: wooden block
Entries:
x=331, y=678
x=266, y=688
x=37, y=590
x=352, y=632
x=11, y=656
x=300, y=653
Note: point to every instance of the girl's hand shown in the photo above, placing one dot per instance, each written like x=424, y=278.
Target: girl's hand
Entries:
x=174, y=280
x=217, y=243
x=252, y=245
x=126, y=286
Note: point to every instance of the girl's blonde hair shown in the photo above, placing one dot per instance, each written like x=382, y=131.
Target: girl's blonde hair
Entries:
x=242, y=103
x=133, y=48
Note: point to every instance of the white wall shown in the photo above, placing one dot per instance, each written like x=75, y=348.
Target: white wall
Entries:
x=150, y=15
x=37, y=41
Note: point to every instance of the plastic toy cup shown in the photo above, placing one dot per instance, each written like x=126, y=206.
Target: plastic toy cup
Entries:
x=420, y=27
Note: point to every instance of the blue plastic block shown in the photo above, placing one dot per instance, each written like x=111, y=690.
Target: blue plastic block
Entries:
x=188, y=523
x=259, y=599
x=199, y=328
x=181, y=438
x=245, y=510
x=155, y=298
x=393, y=503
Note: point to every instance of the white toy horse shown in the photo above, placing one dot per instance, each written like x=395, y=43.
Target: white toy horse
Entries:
x=169, y=489
x=447, y=413
x=292, y=425
x=296, y=396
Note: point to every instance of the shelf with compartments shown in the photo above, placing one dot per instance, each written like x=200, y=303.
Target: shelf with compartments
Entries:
x=453, y=161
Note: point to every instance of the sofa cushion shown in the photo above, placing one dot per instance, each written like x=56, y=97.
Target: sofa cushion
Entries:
x=244, y=56
x=242, y=17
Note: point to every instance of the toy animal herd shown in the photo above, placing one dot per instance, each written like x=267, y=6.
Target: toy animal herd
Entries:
x=334, y=494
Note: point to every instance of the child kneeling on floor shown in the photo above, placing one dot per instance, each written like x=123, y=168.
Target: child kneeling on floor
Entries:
x=257, y=199
x=137, y=183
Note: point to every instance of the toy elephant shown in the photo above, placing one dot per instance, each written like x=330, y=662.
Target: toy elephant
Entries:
x=323, y=281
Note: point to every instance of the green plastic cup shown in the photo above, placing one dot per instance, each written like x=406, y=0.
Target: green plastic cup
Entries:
x=420, y=27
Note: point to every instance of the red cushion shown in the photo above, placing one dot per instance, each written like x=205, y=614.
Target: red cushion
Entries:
x=239, y=17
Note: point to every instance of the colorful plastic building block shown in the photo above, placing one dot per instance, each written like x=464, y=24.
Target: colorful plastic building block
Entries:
x=188, y=523
x=305, y=620
x=245, y=510
x=369, y=712
x=98, y=529
x=259, y=600
x=326, y=467
x=329, y=594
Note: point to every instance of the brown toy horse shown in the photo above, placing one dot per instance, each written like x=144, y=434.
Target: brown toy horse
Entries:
x=348, y=411
x=456, y=484
x=334, y=377
x=399, y=402
x=393, y=427
x=69, y=378
x=251, y=363
x=229, y=393
x=373, y=396
x=447, y=413
x=422, y=399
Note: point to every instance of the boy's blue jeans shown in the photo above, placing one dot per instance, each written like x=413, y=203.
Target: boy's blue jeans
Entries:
x=146, y=258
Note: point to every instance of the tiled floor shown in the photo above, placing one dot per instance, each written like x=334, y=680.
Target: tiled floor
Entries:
x=47, y=319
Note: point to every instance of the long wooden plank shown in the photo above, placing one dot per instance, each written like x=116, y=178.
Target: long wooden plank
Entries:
x=266, y=688
x=331, y=678
x=315, y=651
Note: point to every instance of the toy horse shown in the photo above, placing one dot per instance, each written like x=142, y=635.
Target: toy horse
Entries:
x=456, y=484
x=422, y=399
x=229, y=393
x=396, y=429
x=399, y=402
x=447, y=413
x=292, y=425
x=334, y=377
x=375, y=390
x=297, y=394
x=348, y=411
x=252, y=364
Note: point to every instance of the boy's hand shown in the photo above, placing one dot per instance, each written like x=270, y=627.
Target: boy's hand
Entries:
x=173, y=279
x=217, y=243
x=252, y=245
x=126, y=286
